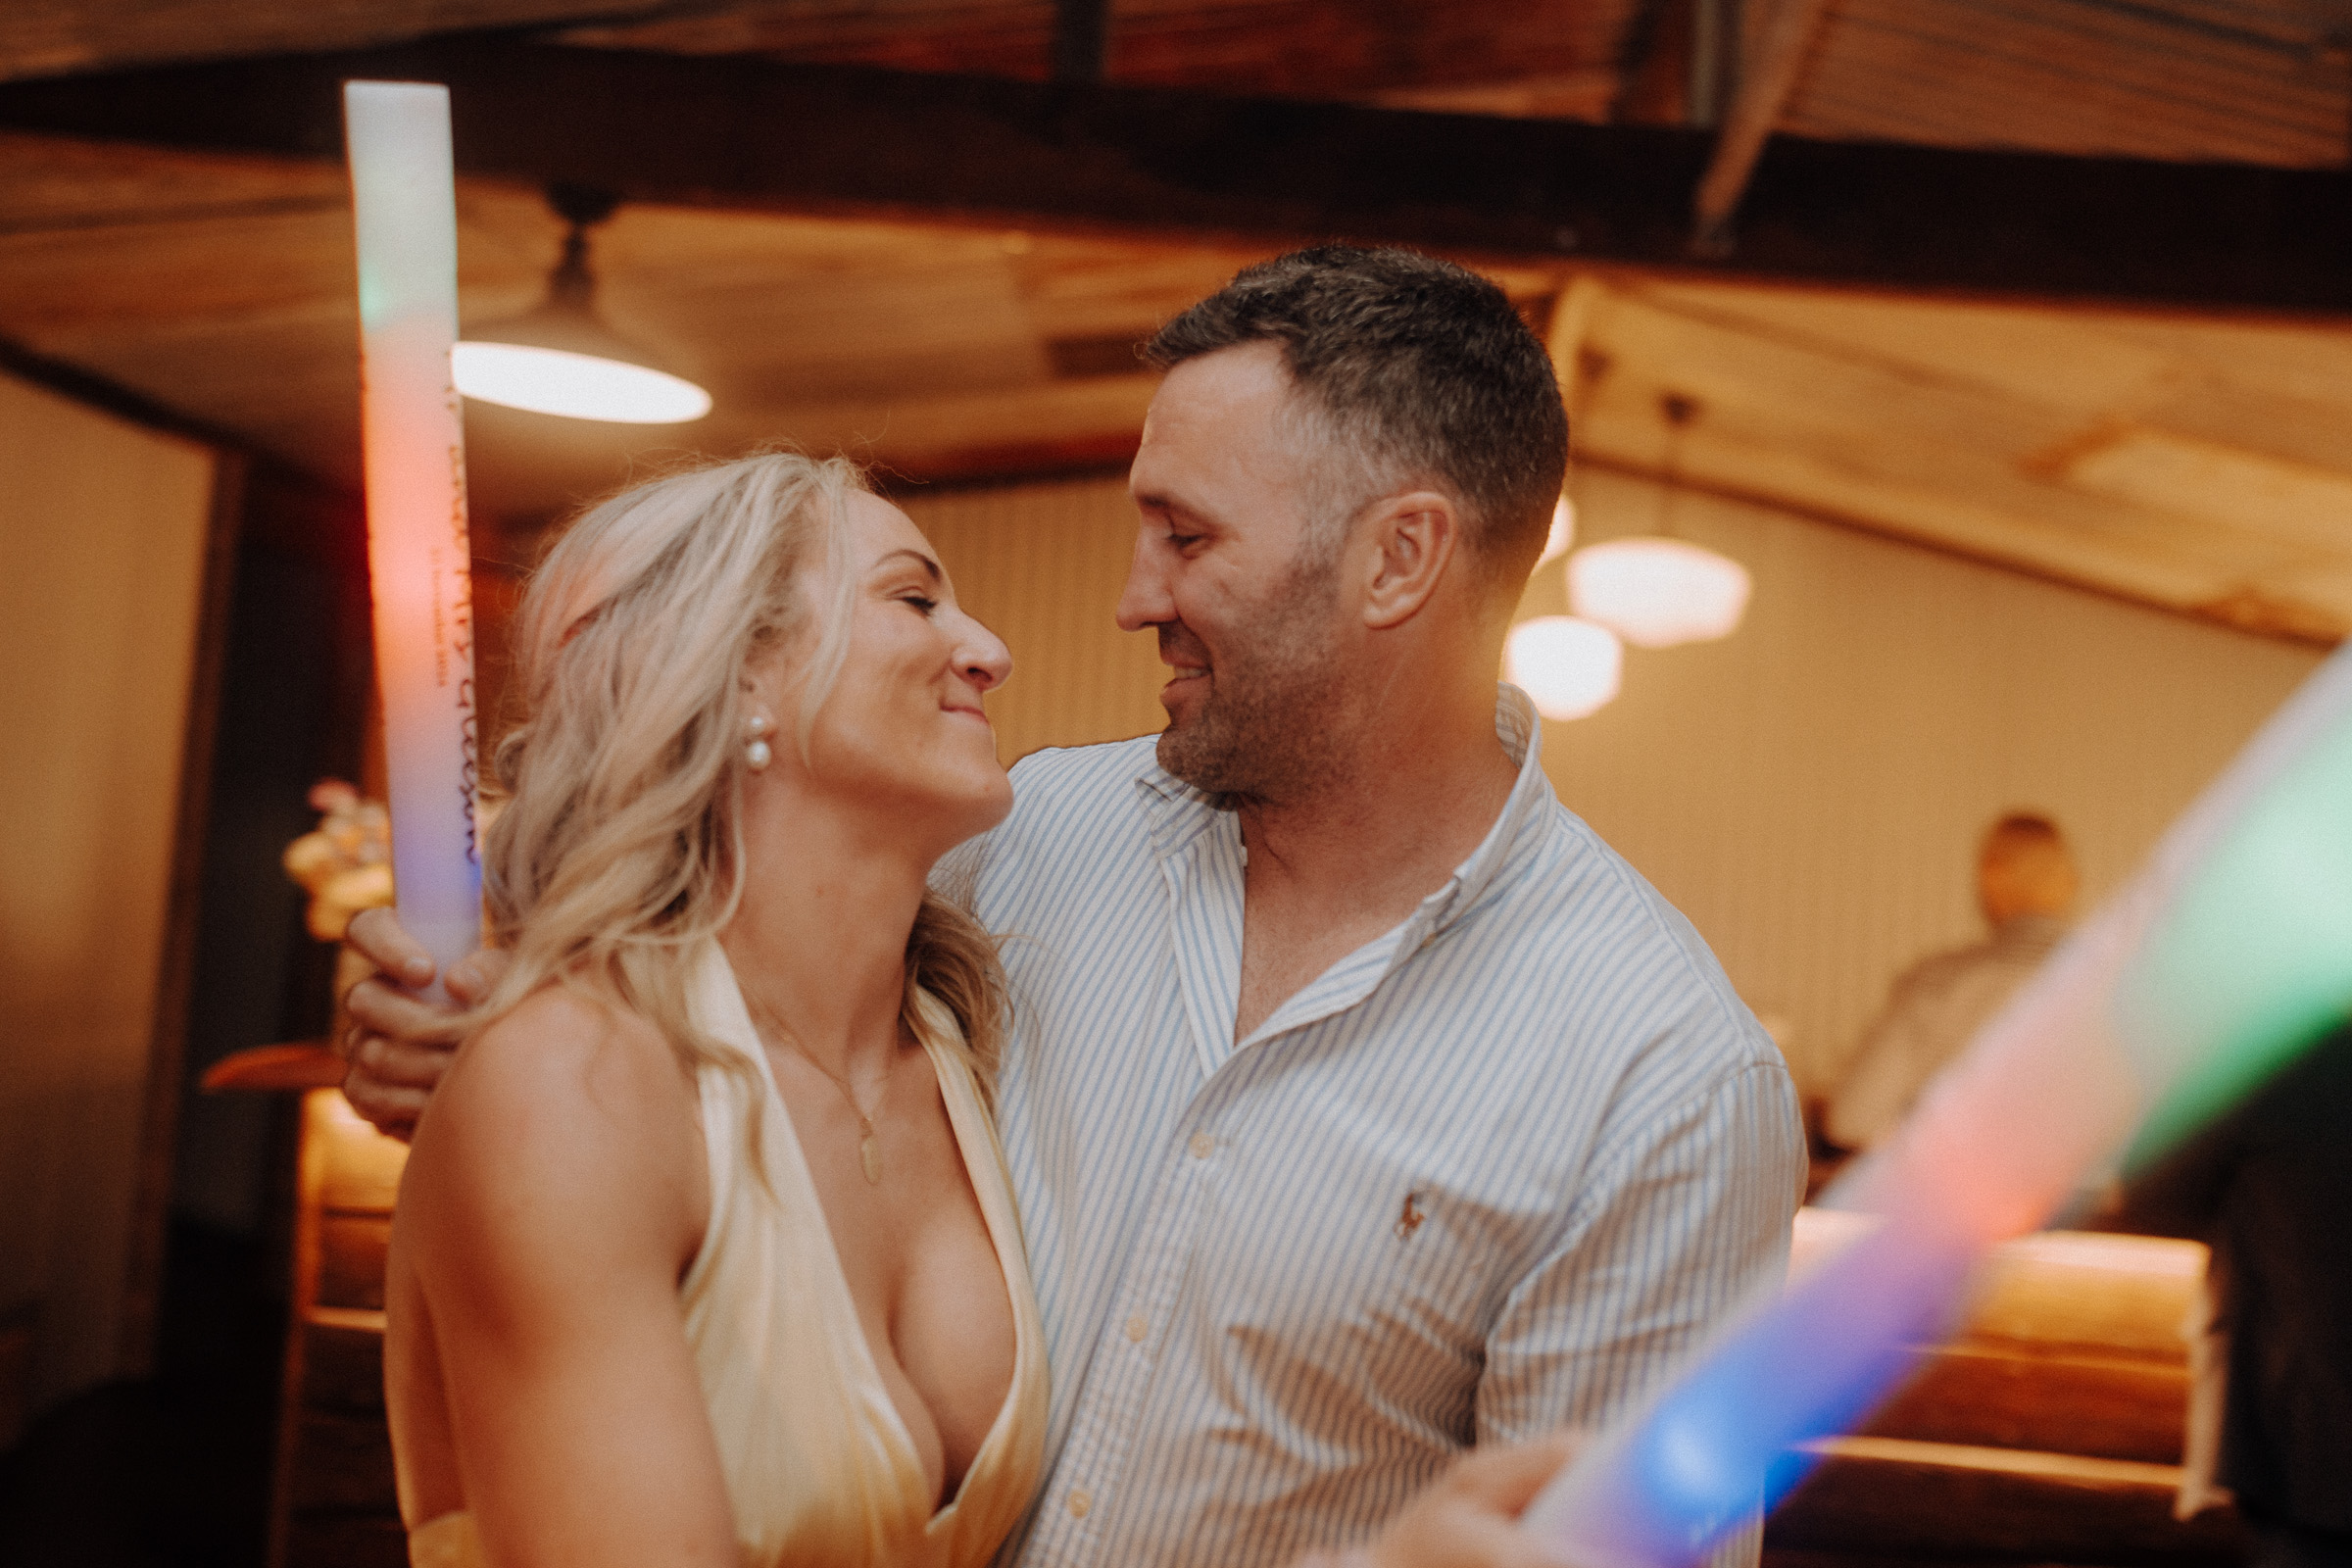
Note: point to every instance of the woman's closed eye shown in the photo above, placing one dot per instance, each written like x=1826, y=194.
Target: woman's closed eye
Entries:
x=923, y=604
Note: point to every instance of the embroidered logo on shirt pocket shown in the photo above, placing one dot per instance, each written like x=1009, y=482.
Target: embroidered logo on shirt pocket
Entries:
x=1409, y=1217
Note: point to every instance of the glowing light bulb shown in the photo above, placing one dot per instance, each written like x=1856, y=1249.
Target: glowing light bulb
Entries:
x=577, y=387
x=1656, y=593
x=1563, y=532
x=1570, y=668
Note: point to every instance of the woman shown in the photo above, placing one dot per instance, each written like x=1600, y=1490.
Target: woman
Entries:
x=706, y=1254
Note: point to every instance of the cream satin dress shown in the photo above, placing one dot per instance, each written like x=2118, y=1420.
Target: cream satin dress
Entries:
x=819, y=1466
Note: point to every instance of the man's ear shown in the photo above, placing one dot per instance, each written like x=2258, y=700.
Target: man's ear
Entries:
x=1414, y=538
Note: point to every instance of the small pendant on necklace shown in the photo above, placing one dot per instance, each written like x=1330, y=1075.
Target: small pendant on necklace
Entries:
x=869, y=1155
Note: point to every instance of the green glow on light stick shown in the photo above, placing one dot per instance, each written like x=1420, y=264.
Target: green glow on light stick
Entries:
x=2253, y=962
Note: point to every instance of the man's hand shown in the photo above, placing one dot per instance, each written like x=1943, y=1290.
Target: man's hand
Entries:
x=1469, y=1517
x=396, y=1043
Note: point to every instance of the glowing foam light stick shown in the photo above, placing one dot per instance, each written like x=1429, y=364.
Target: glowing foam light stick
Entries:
x=418, y=564
x=2227, y=955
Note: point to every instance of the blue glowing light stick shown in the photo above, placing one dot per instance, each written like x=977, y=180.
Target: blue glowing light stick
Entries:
x=2228, y=955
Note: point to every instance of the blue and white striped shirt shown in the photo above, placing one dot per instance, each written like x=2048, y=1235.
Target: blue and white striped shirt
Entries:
x=1493, y=1172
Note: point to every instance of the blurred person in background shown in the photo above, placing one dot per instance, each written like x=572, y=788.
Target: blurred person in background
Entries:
x=2026, y=885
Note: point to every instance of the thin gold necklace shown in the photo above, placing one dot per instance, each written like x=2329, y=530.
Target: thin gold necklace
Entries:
x=869, y=1146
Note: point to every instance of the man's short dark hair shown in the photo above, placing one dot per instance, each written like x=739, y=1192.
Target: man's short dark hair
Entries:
x=1422, y=367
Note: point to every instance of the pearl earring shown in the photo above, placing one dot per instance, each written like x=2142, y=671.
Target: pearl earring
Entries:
x=756, y=754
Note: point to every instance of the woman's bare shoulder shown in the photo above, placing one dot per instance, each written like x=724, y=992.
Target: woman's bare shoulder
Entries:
x=566, y=1112
x=566, y=1047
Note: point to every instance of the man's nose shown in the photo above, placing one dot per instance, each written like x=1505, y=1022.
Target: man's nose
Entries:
x=1145, y=601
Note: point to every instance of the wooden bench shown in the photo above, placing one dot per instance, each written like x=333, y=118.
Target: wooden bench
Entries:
x=332, y=1505
x=2048, y=1429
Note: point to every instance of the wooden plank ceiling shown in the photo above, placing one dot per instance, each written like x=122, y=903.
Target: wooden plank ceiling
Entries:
x=2191, y=461
x=2195, y=464
x=2264, y=81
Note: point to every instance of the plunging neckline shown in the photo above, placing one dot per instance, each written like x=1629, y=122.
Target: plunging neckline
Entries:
x=959, y=1118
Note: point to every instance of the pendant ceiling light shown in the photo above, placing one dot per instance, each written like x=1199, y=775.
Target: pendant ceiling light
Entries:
x=560, y=358
x=1570, y=668
x=1657, y=591
x=1563, y=532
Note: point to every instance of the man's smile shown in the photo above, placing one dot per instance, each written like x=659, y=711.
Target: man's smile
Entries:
x=1186, y=659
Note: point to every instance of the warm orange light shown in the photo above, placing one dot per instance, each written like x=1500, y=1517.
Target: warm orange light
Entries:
x=1570, y=668
x=1656, y=593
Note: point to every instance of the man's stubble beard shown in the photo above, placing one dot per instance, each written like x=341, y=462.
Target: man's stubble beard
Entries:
x=1264, y=732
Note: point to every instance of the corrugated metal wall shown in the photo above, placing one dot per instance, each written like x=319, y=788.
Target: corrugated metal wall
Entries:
x=1808, y=791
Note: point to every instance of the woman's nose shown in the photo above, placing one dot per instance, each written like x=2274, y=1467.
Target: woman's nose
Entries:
x=985, y=660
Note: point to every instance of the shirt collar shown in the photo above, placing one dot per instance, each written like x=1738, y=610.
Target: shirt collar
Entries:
x=1179, y=813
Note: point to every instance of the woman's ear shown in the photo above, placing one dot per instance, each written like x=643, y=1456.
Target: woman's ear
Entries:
x=1413, y=538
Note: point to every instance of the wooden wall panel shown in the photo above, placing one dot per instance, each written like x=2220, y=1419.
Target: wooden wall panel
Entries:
x=103, y=537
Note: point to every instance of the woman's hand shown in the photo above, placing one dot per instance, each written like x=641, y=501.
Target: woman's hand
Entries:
x=1468, y=1517
x=395, y=1041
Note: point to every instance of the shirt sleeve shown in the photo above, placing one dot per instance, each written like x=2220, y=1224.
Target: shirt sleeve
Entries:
x=1676, y=1231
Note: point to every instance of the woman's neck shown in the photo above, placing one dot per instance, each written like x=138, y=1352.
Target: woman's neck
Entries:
x=819, y=943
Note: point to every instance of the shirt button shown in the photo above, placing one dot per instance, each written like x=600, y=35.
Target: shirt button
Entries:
x=1080, y=1501
x=1136, y=1328
x=1203, y=1146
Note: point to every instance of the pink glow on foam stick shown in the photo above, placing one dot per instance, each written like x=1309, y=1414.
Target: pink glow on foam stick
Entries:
x=419, y=566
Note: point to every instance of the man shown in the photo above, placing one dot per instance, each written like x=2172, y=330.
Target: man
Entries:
x=2026, y=885
x=1362, y=1105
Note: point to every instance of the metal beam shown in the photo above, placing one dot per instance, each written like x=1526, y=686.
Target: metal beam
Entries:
x=1764, y=88
x=748, y=133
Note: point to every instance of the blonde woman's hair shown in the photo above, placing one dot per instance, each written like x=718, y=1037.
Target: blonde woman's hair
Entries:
x=618, y=850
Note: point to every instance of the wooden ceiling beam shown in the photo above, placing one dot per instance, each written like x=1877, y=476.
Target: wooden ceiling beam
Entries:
x=748, y=133
x=1080, y=39
x=55, y=37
